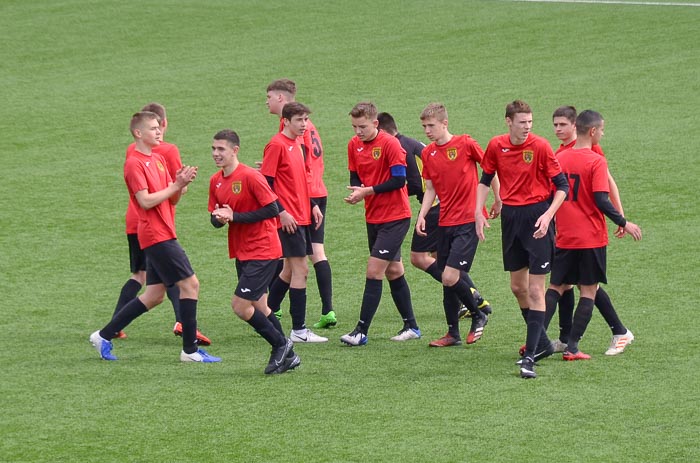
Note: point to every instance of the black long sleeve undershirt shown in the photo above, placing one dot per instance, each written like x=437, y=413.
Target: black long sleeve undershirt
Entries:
x=266, y=212
x=602, y=200
x=271, y=182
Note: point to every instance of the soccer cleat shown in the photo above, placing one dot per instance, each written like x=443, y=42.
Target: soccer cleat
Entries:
x=292, y=361
x=326, y=321
x=120, y=335
x=463, y=312
x=543, y=351
x=278, y=314
x=558, y=346
x=354, y=338
x=477, y=328
x=407, y=334
x=200, y=356
x=484, y=306
x=527, y=368
x=619, y=342
x=569, y=357
x=278, y=356
x=201, y=339
x=446, y=341
x=306, y=335
x=103, y=347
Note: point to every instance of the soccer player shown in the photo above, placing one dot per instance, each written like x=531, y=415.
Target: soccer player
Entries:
x=171, y=155
x=285, y=166
x=450, y=173
x=377, y=166
x=240, y=197
x=581, y=231
x=279, y=93
x=564, y=121
x=156, y=194
x=526, y=167
x=423, y=248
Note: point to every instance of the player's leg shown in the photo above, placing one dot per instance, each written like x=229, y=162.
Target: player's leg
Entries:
x=582, y=316
x=322, y=270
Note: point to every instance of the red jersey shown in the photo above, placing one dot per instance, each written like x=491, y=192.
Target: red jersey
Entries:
x=283, y=159
x=144, y=172
x=596, y=148
x=246, y=190
x=580, y=224
x=525, y=171
x=452, y=170
x=314, y=150
x=171, y=154
x=373, y=162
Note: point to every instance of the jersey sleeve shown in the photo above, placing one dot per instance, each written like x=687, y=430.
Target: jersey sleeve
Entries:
x=599, y=176
x=488, y=160
x=396, y=155
x=551, y=162
x=271, y=158
x=475, y=151
x=212, y=192
x=261, y=190
x=134, y=176
x=351, y=158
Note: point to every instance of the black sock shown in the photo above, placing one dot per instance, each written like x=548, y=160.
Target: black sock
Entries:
x=566, y=314
x=434, y=271
x=297, y=307
x=324, y=281
x=188, y=314
x=370, y=302
x=261, y=324
x=524, y=311
x=582, y=316
x=401, y=294
x=278, y=289
x=551, y=297
x=126, y=315
x=174, y=296
x=450, y=304
x=607, y=310
x=464, y=293
x=535, y=327
x=276, y=323
x=129, y=291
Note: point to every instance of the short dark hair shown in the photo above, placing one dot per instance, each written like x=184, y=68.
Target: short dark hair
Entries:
x=294, y=109
x=587, y=120
x=228, y=135
x=517, y=106
x=568, y=112
x=140, y=117
x=283, y=85
x=387, y=123
x=364, y=109
x=156, y=108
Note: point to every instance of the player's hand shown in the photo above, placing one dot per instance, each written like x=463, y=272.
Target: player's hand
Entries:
x=634, y=230
x=420, y=226
x=541, y=226
x=480, y=223
x=223, y=214
x=258, y=164
x=495, y=209
x=317, y=216
x=289, y=225
x=357, y=194
x=620, y=232
x=185, y=175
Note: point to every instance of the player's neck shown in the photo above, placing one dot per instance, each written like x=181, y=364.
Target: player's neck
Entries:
x=143, y=148
x=229, y=168
x=583, y=142
x=569, y=140
x=444, y=139
x=288, y=133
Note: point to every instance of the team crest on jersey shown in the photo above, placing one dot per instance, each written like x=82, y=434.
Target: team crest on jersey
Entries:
x=236, y=187
x=376, y=153
x=528, y=156
x=451, y=154
x=160, y=166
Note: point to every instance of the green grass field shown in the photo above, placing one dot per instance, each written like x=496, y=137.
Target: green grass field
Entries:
x=73, y=72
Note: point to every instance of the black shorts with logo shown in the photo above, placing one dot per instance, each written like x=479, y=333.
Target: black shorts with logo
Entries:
x=385, y=239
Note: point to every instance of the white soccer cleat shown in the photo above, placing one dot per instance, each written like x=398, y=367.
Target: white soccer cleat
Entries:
x=306, y=335
x=619, y=342
x=199, y=356
x=407, y=334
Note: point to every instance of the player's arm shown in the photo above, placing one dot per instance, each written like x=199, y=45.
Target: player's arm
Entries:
x=172, y=192
x=426, y=204
x=482, y=191
x=258, y=215
x=414, y=181
x=396, y=180
x=602, y=200
x=562, y=189
x=497, y=203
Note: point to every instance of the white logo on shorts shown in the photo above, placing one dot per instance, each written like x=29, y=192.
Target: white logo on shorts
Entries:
x=383, y=251
x=245, y=290
x=544, y=265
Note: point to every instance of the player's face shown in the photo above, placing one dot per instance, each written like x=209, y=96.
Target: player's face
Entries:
x=223, y=153
x=434, y=129
x=297, y=125
x=564, y=129
x=365, y=128
x=275, y=102
x=519, y=127
x=150, y=132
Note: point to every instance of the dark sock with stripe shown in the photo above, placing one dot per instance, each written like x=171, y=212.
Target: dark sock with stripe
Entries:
x=582, y=316
x=174, y=296
x=297, y=307
x=551, y=297
x=434, y=272
x=464, y=293
x=261, y=324
x=324, y=280
x=129, y=291
x=450, y=304
x=401, y=294
x=188, y=315
x=370, y=302
x=567, y=301
x=134, y=309
x=535, y=327
x=607, y=310
x=278, y=289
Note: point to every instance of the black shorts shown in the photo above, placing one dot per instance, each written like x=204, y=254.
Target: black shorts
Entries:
x=137, y=258
x=317, y=235
x=457, y=246
x=385, y=239
x=297, y=244
x=520, y=248
x=579, y=266
x=254, y=277
x=167, y=263
x=427, y=243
